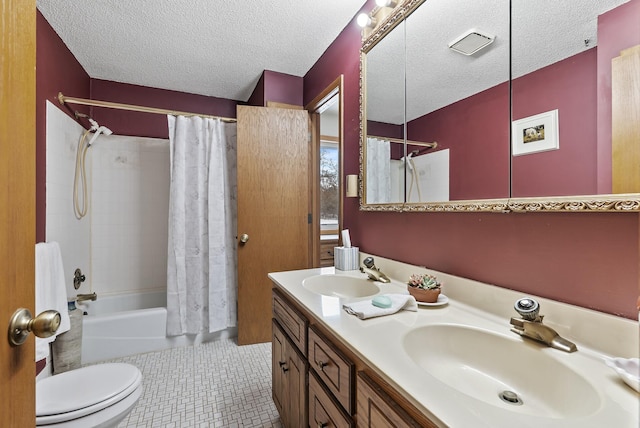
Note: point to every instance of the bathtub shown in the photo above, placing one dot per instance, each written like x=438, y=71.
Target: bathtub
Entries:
x=128, y=324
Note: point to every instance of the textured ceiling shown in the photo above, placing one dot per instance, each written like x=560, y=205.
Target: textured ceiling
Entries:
x=208, y=47
x=544, y=32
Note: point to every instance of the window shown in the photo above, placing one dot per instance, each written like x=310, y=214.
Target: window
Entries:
x=329, y=190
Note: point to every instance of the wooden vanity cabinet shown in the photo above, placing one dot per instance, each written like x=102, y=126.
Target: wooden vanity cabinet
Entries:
x=334, y=369
x=289, y=376
x=324, y=411
x=377, y=409
x=292, y=321
x=314, y=378
x=289, y=363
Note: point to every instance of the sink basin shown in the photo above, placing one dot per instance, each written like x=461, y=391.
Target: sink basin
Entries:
x=483, y=365
x=340, y=286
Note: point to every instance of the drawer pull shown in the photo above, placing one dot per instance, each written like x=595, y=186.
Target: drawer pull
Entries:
x=284, y=369
x=322, y=424
x=282, y=363
x=322, y=365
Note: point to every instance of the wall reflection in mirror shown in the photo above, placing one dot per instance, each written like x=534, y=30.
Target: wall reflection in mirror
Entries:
x=385, y=105
x=418, y=89
x=563, y=59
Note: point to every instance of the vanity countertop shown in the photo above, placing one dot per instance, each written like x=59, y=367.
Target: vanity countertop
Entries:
x=379, y=342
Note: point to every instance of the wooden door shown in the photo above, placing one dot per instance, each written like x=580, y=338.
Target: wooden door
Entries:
x=17, y=205
x=273, y=209
x=625, y=110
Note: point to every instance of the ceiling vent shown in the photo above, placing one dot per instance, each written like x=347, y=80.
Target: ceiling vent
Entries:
x=471, y=42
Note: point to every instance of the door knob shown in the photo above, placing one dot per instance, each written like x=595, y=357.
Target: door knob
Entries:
x=244, y=238
x=21, y=323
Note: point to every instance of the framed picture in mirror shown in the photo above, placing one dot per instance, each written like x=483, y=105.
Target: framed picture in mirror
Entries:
x=534, y=134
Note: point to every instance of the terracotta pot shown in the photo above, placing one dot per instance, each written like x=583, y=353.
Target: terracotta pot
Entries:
x=424, y=295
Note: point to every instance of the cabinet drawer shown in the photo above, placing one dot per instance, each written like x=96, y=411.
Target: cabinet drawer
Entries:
x=377, y=409
x=326, y=252
x=292, y=321
x=333, y=368
x=323, y=411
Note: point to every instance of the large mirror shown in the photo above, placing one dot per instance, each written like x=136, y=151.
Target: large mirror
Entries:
x=556, y=153
x=563, y=73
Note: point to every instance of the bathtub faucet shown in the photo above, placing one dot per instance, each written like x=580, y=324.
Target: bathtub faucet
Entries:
x=82, y=297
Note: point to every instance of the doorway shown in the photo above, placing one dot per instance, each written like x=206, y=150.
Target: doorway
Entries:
x=326, y=171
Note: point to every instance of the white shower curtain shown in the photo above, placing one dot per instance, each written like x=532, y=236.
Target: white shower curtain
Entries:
x=202, y=261
x=378, y=171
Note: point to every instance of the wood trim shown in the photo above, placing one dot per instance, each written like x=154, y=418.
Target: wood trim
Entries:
x=330, y=232
x=336, y=86
x=329, y=138
x=314, y=177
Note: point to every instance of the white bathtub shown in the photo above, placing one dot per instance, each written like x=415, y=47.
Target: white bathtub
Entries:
x=128, y=324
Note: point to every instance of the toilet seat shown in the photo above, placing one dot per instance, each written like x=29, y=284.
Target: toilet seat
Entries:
x=78, y=393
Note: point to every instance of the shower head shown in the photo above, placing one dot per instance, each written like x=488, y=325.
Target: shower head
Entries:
x=99, y=130
x=94, y=124
x=407, y=160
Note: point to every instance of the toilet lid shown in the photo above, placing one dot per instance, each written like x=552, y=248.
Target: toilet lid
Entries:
x=86, y=390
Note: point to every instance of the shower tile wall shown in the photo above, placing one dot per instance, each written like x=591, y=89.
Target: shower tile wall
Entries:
x=129, y=214
x=121, y=244
x=73, y=235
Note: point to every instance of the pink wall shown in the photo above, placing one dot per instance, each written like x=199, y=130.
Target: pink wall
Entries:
x=56, y=71
x=148, y=124
x=59, y=71
x=277, y=87
x=257, y=97
x=570, y=257
x=570, y=87
x=283, y=88
x=476, y=130
x=380, y=129
x=618, y=29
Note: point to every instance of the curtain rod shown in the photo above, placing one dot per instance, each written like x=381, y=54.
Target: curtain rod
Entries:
x=432, y=145
x=130, y=107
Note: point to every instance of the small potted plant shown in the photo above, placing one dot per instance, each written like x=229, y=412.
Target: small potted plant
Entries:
x=424, y=287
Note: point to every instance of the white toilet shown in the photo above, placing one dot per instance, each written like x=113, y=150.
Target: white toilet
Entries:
x=98, y=396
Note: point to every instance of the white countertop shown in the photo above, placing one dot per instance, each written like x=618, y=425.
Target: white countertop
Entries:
x=379, y=342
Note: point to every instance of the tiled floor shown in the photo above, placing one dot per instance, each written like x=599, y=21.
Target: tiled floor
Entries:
x=216, y=384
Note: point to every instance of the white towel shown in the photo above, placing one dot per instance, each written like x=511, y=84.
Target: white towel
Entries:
x=364, y=309
x=51, y=292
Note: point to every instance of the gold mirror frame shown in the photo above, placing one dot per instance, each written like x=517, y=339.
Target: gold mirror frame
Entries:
x=628, y=202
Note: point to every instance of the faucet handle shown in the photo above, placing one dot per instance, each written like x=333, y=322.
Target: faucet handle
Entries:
x=527, y=308
x=368, y=262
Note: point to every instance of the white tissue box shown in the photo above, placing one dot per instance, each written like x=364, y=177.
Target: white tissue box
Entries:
x=346, y=258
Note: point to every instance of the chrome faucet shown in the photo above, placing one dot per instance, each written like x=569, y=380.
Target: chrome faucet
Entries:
x=374, y=273
x=530, y=325
x=84, y=297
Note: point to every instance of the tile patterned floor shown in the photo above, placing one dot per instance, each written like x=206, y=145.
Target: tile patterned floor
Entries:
x=215, y=384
